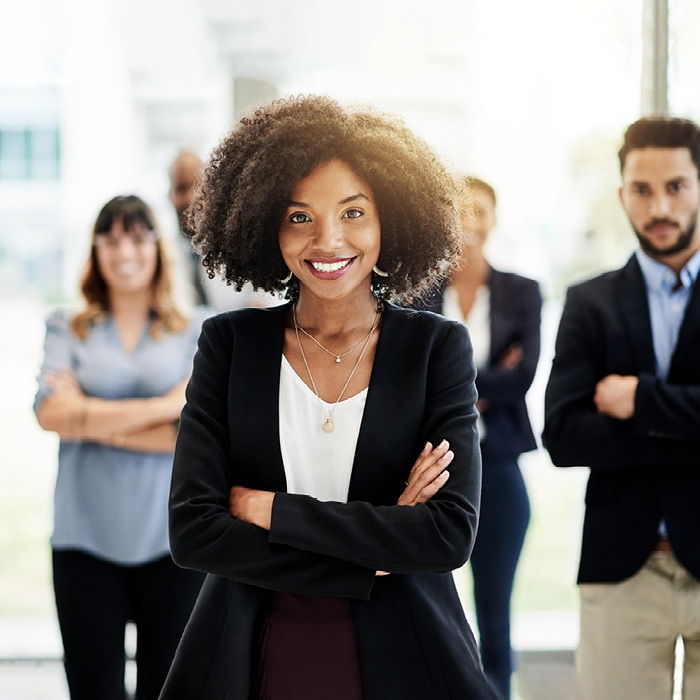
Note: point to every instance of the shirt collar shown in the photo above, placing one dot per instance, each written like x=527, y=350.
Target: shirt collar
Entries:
x=661, y=277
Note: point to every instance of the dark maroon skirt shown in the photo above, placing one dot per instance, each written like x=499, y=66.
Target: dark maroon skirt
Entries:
x=308, y=650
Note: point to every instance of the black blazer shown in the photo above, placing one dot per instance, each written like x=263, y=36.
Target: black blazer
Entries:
x=642, y=469
x=414, y=641
x=514, y=318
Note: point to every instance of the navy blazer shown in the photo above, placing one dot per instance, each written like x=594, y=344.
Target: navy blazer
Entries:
x=642, y=469
x=414, y=642
x=514, y=319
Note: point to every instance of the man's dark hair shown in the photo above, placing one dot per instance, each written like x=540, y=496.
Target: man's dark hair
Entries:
x=235, y=217
x=662, y=132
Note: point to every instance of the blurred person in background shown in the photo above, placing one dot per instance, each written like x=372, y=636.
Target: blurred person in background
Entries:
x=184, y=173
x=112, y=386
x=310, y=476
x=623, y=399
x=502, y=312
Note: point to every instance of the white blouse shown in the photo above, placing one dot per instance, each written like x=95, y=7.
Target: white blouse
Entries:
x=479, y=324
x=478, y=321
x=317, y=463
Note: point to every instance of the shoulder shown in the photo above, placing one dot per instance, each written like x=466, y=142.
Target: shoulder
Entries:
x=593, y=287
x=248, y=322
x=515, y=282
x=58, y=323
x=413, y=325
x=240, y=319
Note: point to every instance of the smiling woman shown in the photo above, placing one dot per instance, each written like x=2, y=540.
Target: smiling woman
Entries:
x=310, y=478
x=112, y=386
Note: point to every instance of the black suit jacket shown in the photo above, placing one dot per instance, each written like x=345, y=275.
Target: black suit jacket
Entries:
x=514, y=319
x=413, y=639
x=642, y=469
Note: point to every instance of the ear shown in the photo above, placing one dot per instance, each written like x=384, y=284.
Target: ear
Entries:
x=619, y=195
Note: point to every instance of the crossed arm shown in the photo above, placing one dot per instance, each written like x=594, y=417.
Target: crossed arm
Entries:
x=611, y=421
x=298, y=544
x=146, y=425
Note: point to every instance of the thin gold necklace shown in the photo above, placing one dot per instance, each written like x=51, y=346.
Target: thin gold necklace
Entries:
x=338, y=356
x=327, y=426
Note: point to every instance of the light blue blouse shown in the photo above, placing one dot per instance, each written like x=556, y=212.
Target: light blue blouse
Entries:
x=113, y=502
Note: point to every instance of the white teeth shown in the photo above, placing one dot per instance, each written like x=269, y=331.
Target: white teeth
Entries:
x=330, y=267
x=127, y=269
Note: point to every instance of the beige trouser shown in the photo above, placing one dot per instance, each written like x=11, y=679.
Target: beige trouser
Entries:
x=629, y=632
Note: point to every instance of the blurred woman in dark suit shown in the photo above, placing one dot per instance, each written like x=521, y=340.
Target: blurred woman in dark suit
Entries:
x=502, y=311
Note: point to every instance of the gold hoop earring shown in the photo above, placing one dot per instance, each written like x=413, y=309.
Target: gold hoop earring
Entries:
x=287, y=278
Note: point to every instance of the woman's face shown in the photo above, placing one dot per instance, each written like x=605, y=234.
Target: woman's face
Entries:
x=478, y=221
x=127, y=259
x=330, y=235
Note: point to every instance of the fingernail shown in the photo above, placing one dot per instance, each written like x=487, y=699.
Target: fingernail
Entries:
x=448, y=455
x=445, y=475
x=444, y=443
x=427, y=447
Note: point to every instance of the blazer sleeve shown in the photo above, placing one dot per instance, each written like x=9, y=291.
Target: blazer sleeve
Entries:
x=433, y=536
x=500, y=385
x=664, y=410
x=203, y=534
x=575, y=434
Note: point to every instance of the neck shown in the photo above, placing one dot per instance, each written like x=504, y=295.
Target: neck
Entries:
x=130, y=304
x=473, y=269
x=337, y=316
x=678, y=261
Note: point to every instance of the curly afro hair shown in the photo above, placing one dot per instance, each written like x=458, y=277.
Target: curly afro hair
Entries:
x=237, y=212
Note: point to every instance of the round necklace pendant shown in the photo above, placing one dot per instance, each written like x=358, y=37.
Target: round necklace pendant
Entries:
x=337, y=359
x=327, y=426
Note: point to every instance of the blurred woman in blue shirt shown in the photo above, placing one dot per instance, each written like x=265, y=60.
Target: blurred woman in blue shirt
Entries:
x=112, y=386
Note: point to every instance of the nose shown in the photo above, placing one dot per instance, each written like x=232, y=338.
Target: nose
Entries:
x=660, y=206
x=126, y=247
x=328, y=236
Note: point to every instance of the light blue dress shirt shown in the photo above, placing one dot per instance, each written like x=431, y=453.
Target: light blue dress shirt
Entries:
x=668, y=295
x=667, y=304
x=112, y=502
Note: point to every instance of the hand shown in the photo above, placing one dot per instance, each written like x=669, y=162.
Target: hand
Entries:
x=511, y=357
x=428, y=475
x=614, y=396
x=251, y=506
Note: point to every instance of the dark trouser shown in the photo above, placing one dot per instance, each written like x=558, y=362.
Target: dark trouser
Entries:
x=308, y=650
x=96, y=598
x=505, y=512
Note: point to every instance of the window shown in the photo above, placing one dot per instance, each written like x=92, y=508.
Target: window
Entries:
x=29, y=154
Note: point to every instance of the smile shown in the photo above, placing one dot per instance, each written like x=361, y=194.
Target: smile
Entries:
x=329, y=269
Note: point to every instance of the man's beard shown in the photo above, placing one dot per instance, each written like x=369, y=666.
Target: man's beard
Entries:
x=683, y=242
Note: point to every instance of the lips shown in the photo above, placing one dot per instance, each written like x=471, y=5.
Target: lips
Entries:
x=662, y=228
x=329, y=268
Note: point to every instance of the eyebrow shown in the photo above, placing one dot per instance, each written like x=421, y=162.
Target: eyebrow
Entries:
x=351, y=198
x=678, y=178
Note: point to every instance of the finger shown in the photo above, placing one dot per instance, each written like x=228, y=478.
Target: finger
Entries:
x=428, y=476
x=431, y=489
x=423, y=454
x=428, y=461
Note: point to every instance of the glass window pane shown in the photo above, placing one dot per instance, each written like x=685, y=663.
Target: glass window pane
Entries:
x=13, y=155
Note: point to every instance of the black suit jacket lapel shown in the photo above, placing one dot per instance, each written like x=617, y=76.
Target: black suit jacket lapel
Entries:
x=687, y=344
x=258, y=352
x=498, y=319
x=634, y=305
x=379, y=432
